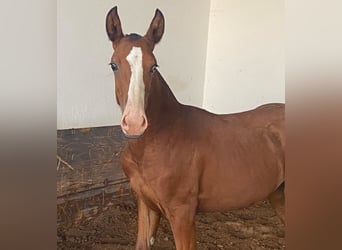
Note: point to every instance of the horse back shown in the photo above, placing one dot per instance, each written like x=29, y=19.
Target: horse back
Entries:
x=270, y=116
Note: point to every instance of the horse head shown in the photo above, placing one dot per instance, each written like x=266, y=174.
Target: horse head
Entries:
x=134, y=66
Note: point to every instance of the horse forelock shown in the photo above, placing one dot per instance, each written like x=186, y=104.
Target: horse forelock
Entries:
x=133, y=36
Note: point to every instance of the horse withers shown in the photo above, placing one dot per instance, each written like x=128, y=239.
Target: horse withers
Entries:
x=181, y=159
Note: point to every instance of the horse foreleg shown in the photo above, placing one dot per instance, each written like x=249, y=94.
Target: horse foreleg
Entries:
x=182, y=222
x=148, y=221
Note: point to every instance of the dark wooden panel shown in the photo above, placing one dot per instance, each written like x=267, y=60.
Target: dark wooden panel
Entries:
x=89, y=176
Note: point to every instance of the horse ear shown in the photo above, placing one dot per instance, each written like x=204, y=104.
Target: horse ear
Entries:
x=156, y=29
x=113, y=26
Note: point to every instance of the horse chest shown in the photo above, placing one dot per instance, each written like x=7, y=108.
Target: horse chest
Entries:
x=141, y=183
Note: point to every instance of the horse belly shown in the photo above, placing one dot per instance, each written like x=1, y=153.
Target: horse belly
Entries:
x=223, y=188
x=240, y=169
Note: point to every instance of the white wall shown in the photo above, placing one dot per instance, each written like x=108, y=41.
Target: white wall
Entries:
x=85, y=86
x=245, y=55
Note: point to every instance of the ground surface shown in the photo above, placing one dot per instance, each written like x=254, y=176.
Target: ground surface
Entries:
x=254, y=228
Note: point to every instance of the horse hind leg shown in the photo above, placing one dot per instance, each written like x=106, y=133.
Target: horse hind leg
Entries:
x=277, y=200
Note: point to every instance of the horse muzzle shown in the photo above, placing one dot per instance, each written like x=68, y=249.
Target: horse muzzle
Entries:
x=133, y=125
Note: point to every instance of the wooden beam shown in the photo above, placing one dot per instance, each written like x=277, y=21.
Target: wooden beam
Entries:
x=89, y=175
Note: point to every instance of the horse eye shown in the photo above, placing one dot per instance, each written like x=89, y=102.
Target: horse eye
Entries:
x=114, y=66
x=154, y=68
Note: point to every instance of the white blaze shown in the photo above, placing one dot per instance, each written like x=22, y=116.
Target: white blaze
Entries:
x=136, y=90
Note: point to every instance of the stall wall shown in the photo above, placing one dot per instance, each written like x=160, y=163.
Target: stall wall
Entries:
x=245, y=56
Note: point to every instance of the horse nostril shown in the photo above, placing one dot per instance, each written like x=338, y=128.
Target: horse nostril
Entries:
x=123, y=122
x=144, y=121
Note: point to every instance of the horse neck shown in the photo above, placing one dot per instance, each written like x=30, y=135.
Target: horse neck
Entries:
x=162, y=104
x=162, y=110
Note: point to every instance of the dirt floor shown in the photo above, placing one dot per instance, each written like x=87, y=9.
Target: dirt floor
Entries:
x=254, y=228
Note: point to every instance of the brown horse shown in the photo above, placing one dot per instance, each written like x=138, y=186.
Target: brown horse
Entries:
x=181, y=159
